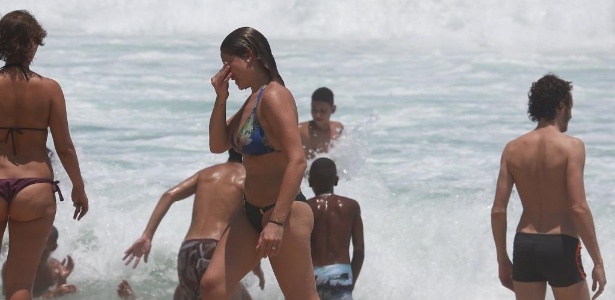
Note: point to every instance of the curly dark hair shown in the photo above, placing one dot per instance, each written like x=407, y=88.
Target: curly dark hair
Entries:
x=19, y=33
x=545, y=95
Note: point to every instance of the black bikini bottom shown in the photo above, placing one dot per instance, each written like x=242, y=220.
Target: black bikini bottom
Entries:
x=255, y=214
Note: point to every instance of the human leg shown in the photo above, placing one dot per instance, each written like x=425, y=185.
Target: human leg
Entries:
x=530, y=290
x=233, y=258
x=4, y=217
x=31, y=216
x=292, y=266
x=577, y=291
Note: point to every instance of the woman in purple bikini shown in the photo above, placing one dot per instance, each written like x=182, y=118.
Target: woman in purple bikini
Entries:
x=29, y=105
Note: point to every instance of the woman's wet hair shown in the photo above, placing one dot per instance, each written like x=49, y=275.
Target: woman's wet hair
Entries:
x=238, y=42
x=545, y=96
x=19, y=34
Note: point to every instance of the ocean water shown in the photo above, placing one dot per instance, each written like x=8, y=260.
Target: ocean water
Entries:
x=429, y=92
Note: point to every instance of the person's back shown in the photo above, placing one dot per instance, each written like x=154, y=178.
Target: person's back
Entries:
x=217, y=191
x=334, y=220
x=537, y=161
x=218, y=194
x=29, y=105
x=337, y=222
x=546, y=166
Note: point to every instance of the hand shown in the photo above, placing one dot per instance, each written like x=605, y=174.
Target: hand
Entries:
x=270, y=240
x=220, y=81
x=505, y=273
x=80, y=202
x=124, y=290
x=65, y=269
x=599, y=280
x=141, y=246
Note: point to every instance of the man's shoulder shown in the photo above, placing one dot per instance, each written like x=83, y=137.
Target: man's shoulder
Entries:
x=336, y=124
x=304, y=128
x=348, y=202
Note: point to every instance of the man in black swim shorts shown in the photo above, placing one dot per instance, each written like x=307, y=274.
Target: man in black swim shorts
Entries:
x=546, y=167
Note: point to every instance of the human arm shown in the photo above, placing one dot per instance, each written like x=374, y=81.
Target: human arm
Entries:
x=219, y=133
x=65, y=149
x=503, y=190
x=358, y=246
x=581, y=214
x=279, y=112
x=143, y=245
x=60, y=291
x=338, y=128
x=304, y=135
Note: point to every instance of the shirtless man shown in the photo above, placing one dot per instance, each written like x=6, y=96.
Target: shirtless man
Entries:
x=317, y=134
x=546, y=166
x=337, y=220
x=218, y=194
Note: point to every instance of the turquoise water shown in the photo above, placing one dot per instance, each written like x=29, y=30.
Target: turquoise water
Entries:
x=429, y=94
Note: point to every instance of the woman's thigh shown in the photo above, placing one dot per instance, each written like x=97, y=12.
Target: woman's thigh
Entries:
x=234, y=256
x=293, y=264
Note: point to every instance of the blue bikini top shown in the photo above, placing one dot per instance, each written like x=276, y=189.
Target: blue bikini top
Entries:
x=251, y=139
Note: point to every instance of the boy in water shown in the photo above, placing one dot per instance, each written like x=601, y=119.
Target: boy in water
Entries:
x=51, y=272
x=337, y=220
x=317, y=134
x=218, y=192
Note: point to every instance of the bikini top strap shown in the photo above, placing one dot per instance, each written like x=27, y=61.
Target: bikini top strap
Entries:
x=11, y=133
x=258, y=99
x=259, y=96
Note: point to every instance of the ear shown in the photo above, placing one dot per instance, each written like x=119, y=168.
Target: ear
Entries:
x=249, y=55
x=310, y=181
x=337, y=179
x=333, y=109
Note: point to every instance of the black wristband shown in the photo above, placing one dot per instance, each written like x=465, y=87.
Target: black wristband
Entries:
x=277, y=223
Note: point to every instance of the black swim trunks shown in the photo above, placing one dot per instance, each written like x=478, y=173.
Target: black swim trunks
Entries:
x=554, y=258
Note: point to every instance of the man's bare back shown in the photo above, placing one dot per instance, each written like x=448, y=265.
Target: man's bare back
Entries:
x=538, y=162
x=335, y=219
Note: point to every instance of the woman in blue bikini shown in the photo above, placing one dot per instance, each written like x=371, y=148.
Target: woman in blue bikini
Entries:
x=29, y=105
x=275, y=222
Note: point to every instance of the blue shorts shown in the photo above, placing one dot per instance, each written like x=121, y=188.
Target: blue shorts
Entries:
x=554, y=258
x=334, y=282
